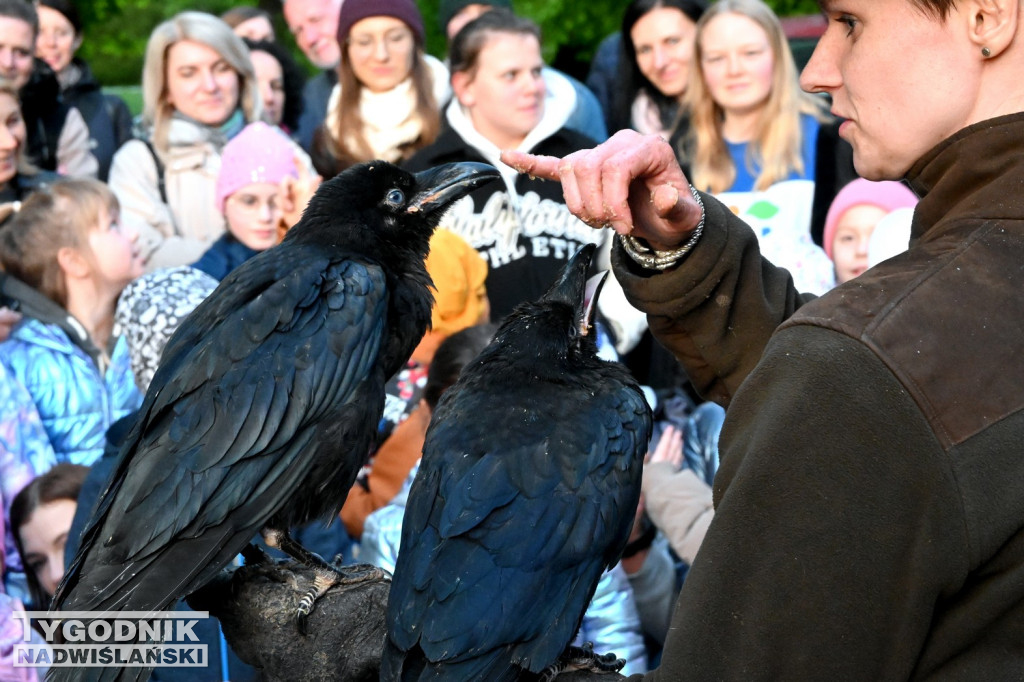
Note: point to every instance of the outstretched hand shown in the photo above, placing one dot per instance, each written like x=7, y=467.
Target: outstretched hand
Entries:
x=631, y=183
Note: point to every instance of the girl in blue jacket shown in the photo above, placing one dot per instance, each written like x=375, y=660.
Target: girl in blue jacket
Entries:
x=68, y=246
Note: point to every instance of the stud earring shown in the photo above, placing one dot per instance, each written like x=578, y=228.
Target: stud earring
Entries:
x=986, y=53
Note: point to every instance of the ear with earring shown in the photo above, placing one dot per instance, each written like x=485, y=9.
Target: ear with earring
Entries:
x=986, y=53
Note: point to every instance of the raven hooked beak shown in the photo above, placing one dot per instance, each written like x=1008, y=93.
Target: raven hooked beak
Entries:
x=438, y=188
x=573, y=288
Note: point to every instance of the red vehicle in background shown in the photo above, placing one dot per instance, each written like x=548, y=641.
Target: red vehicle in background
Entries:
x=803, y=33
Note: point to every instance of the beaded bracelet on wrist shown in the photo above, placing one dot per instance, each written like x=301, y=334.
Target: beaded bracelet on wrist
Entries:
x=663, y=260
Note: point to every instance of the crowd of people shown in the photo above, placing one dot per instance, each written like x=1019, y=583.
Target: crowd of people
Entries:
x=114, y=228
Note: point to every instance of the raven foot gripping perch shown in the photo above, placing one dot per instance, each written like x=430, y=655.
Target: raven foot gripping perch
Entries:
x=582, y=658
x=326, y=575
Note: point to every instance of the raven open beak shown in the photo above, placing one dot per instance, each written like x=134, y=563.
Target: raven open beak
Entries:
x=573, y=287
x=440, y=187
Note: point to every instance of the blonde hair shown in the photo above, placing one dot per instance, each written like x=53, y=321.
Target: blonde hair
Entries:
x=198, y=27
x=58, y=216
x=777, y=144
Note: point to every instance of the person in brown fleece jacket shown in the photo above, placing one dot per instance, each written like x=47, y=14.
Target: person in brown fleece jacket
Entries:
x=869, y=519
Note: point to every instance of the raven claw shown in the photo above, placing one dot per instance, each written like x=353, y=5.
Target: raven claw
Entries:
x=327, y=577
x=359, y=573
x=305, y=608
x=582, y=658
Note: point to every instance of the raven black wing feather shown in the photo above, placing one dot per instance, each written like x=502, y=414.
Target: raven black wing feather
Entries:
x=489, y=522
x=309, y=330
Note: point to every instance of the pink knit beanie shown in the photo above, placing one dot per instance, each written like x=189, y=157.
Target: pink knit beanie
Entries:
x=260, y=153
x=887, y=195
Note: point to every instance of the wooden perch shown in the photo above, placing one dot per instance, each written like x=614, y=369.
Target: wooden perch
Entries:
x=256, y=607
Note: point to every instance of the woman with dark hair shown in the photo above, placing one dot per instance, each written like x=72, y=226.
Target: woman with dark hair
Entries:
x=107, y=116
x=41, y=517
x=654, y=65
x=58, y=138
x=280, y=82
x=389, y=90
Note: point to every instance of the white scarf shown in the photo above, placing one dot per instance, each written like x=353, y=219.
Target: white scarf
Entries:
x=389, y=118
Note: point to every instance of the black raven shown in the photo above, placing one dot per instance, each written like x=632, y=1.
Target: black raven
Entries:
x=268, y=396
x=526, y=492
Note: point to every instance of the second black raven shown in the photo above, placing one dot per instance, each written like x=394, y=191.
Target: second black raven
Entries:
x=268, y=396
x=526, y=492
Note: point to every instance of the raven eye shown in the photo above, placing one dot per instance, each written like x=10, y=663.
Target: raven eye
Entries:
x=395, y=197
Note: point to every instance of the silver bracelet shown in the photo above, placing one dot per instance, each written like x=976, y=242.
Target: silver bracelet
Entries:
x=662, y=260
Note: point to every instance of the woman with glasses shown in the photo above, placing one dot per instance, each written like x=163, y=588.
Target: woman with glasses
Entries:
x=389, y=91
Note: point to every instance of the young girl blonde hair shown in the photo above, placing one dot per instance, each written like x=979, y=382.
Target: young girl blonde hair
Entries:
x=50, y=219
x=777, y=144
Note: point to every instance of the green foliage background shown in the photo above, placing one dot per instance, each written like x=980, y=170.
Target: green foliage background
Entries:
x=116, y=30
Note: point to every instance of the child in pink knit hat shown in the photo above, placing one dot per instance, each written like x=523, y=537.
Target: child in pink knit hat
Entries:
x=852, y=217
x=261, y=188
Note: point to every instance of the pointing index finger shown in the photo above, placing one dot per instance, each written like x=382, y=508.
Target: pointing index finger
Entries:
x=539, y=166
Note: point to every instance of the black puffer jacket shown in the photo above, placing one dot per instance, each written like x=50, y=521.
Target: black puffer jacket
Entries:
x=44, y=112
